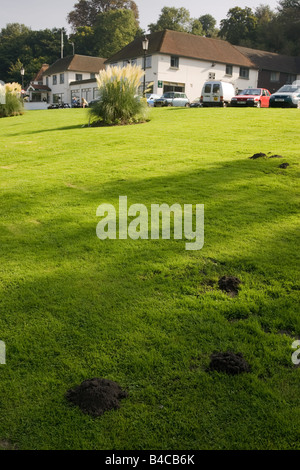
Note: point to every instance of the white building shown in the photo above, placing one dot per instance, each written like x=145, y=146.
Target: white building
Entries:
x=72, y=77
x=182, y=62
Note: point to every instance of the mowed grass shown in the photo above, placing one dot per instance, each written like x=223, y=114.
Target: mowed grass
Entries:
x=148, y=314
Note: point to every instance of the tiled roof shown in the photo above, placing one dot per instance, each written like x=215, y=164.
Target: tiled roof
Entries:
x=39, y=75
x=76, y=63
x=271, y=61
x=185, y=45
x=38, y=87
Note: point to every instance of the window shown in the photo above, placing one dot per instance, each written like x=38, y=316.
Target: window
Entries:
x=78, y=77
x=207, y=88
x=229, y=70
x=62, y=78
x=58, y=98
x=95, y=93
x=125, y=63
x=93, y=75
x=47, y=81
x=216, y=88
x=54, y=80
x=174, y=62
x=244, y=72
x=86, y=93
x=274, y=76
x=75, y=94
x=133, y=61
x=291, y=78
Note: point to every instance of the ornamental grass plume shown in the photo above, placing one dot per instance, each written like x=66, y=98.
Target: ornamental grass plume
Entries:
x=119, y=102
x=10, y=100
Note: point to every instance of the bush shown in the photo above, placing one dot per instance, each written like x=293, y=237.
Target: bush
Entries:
x=10, y=101
x=119, y=102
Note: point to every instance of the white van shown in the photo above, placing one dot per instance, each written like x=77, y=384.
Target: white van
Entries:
x=217, y=93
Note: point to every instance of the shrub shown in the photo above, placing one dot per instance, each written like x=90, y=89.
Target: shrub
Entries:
x=119, y=102
x=10, y=101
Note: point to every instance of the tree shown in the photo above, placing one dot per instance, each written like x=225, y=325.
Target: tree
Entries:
x=208, y=23
x=86, y=11
x=19, y=44
x=84, y=41
x=113, y=30
x=196, y=27
x=239, y=27
x=176, y=19
x=265, y=35
x=288, y=4
x=289, y=18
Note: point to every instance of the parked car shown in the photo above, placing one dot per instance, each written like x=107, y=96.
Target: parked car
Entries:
x=172, y=98
x=93, y=102
x=217, y=93
x=196, y=103
x=258, y=97
x=287, y=96
x=151, y=97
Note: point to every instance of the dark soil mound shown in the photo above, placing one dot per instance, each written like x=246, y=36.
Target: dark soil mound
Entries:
x=257, y=155
x=230, y=284
x=284, y=165
x=276, y=156
x=229, y=362
x=95, y=396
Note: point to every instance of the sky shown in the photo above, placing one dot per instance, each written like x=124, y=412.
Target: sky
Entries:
x=42, y=14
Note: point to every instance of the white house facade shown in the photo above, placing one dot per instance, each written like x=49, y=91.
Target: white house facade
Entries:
x=182, y=62
x=72, y=77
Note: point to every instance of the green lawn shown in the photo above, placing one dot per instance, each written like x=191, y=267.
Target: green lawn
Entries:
x=149, y=314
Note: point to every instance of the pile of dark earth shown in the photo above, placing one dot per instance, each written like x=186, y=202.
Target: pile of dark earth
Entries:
x=228, y=362
x=95, y=396
x=262, y=155
x=230, y=285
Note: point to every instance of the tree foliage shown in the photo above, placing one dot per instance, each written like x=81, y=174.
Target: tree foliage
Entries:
x=176, y=19
x=86, y=11
x=239, y=26
x=20, y=46
x=209, y=24
x=113, y=30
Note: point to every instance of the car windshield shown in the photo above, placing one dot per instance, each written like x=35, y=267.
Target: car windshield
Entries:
x=289, y=89
x=251, y=91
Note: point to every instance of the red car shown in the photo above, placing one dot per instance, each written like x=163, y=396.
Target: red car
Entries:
x=258, y=97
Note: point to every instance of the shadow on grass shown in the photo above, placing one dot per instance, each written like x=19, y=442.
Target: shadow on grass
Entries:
x=42, y=131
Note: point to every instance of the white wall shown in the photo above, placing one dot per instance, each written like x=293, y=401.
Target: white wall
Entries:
x=35, y=106
x=64, y=88
x=193, y=73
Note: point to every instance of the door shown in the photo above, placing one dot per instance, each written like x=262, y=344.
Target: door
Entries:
x=216, y=92
x=265, y=98
x=207, y=93
x=177, y=101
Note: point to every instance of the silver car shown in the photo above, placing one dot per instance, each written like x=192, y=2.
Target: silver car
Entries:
x=172, y=98
x=287, y=96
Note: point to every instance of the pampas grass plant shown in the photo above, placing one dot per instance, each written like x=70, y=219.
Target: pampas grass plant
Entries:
x=119, y=102
x=12, y=105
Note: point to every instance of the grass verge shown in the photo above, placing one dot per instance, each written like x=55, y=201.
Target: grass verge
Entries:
x=149, y=314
